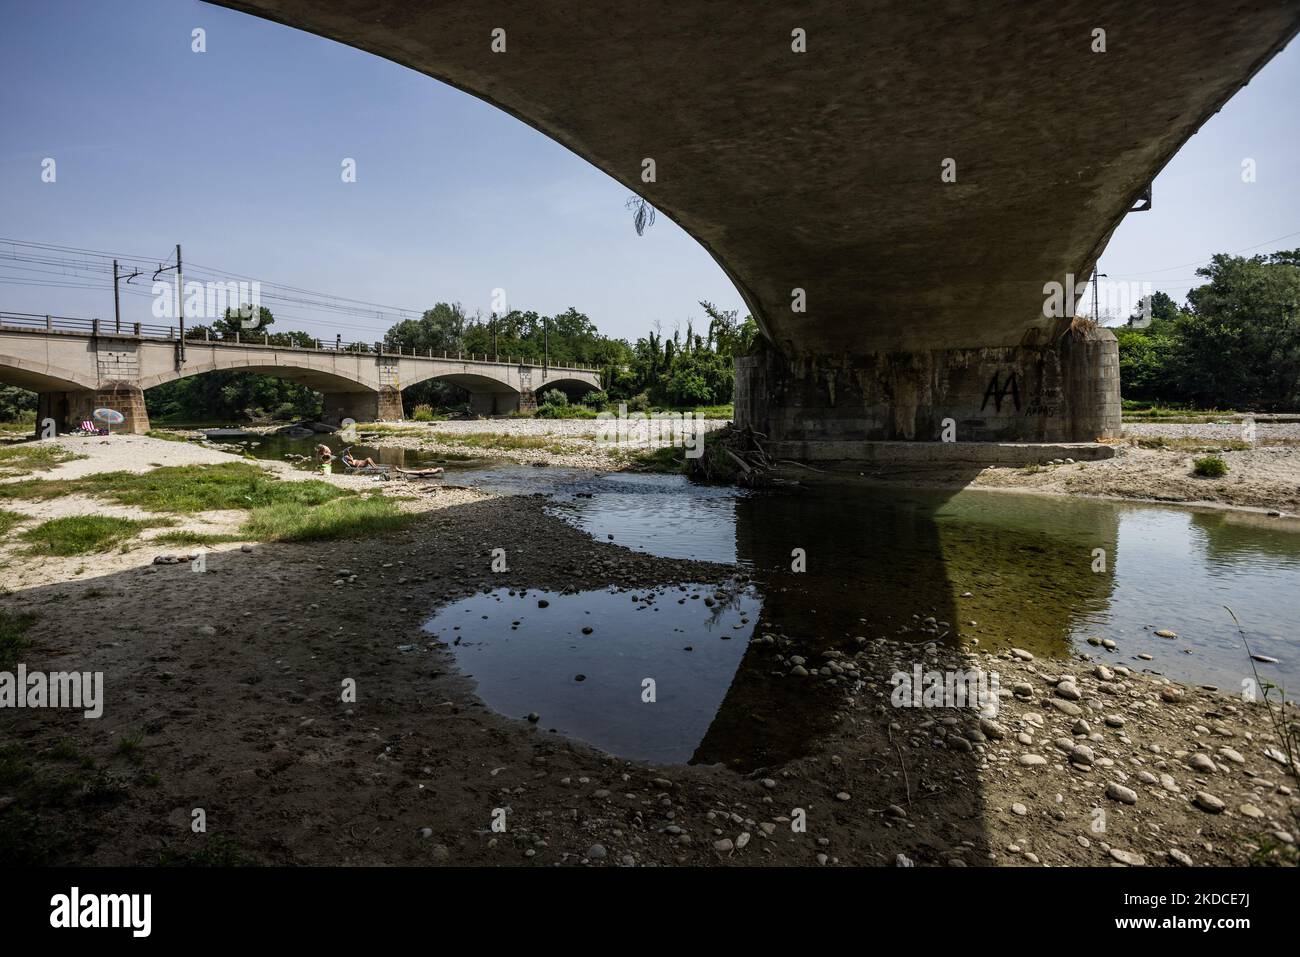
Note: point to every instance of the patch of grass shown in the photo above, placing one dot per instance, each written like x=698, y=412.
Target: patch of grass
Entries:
x=8, y=520
x=13, y=641
x=81, y=534
x=27, y=457
x=1184, y=444
x=167, y=436
x=670, y=459
x=218, y=851
x=502, y=441
x=129, y=746
x=195, y=538
x=388, y=428
x=184, y=488
x=1210, y=466
x=345, y=518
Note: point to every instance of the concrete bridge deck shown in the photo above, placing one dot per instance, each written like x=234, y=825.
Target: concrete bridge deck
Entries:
x=78, y=365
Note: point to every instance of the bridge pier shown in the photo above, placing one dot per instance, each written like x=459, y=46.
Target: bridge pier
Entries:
x=382, y=406
x=493, y=403
x=70, y=409
x=1055, y=387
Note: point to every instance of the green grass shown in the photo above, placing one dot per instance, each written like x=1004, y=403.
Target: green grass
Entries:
x=346, y=518
x=184, y=488
x=195, y=538
x=670, y=459
x=81, y=534
x=8, y=520
x=1184, y=444
x=1210, y=466
x=502, y=441
x=13, y=638
x=166, y=436
x=27, y=457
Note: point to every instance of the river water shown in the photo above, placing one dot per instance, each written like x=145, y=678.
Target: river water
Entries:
x=994, y=569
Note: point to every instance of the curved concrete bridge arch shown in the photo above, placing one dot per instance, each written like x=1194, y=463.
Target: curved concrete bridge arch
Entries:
x=818, y=174
x=76, y=366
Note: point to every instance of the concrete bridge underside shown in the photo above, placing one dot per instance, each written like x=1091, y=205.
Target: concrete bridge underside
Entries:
x=73, y=374
x=821, y=171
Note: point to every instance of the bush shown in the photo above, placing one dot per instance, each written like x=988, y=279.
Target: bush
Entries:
x=422, y=413
x=555, y=398
x=1210, y=466
x=596, y=399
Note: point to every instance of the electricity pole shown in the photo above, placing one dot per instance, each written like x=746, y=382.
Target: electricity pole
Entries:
x=180, y=302
x=117, y=304
x=1096, y=276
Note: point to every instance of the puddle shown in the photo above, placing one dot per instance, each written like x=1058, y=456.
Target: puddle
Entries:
x=533, y=666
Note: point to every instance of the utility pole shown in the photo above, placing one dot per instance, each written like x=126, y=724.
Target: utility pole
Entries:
x=180, y=302
x=1096, y=276
x=117, y=304
x=494, y=337
x=546, y=346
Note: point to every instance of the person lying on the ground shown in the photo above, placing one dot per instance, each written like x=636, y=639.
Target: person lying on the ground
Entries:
x=436, y=470
x=355, y=463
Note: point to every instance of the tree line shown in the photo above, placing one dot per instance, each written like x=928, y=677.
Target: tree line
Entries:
x=1234, y=343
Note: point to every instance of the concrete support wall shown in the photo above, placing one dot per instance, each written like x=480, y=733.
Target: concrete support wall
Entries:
x=70, y=409
x=1063, y=390
x=493, y=403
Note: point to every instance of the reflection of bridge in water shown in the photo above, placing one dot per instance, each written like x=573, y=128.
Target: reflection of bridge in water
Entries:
x=78, y=365
x=874, y=561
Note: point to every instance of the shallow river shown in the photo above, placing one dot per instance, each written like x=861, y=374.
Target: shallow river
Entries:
x=1034, y=572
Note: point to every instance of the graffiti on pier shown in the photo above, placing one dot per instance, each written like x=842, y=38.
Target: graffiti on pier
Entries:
x=998, y=392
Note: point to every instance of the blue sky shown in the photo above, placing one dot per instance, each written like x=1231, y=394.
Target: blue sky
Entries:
x=236, y=154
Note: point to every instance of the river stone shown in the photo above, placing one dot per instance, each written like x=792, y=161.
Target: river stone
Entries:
x=1179, y=857
x=1021, y=654
x=1234, y=756
x=1108, y=644
x=1068, y=691
x=1166, y=633
x=1249, y=810
x=1067, y=707
x=1032, y=760
x=1171, y=695
x=992, y=729
x=596, y=852
x=1202, y=762
x=1082, y=754
x=1128, y=857
x=1019, y=809
x=1082, y=727
x=1208, y=802
x=1022, y=689
x=723, y=846
x=1117, y=792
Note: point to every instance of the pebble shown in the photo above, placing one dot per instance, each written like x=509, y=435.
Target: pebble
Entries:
x=724, y=846
x=596, y=852
x=1202, y=762
x=1032, y=760
x=1117, y=792
x=1019, y=809
x=1179, y=857
x=1128, y=857
x=1166, y=633
x=1208, y=802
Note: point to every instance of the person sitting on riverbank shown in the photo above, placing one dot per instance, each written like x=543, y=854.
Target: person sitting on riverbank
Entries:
x=355, y=463
x=323, y=453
